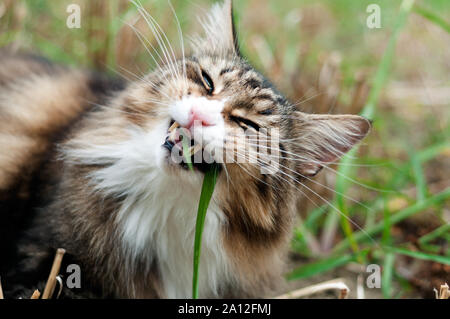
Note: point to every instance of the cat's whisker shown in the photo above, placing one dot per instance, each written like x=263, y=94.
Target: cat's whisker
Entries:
x=161, y=31
x=163, y=42
x=335, y=171
x=258, y=154
x=103, y=106
x=143, y=41
x=228, y=176
x=313, y=202
x=180, y=33
x=325, y=201
x=279, y=178
x=170, y=81
x=140, y=80
x=142, y=38
x=326, y=187
x=156, y=35
x=153, y=101
x=303, y=101
x=135, y=76
x=297, y=157
x=261, y=143
x=251, y=175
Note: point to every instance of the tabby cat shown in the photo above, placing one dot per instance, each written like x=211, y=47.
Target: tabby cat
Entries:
x=86, y=164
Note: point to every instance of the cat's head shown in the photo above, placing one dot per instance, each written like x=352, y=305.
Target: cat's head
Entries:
x=215, y=98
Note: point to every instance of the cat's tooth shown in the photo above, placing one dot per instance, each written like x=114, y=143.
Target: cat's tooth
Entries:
x=195, y=149
x=173, y=131
x=173, y=135
x=174, y=126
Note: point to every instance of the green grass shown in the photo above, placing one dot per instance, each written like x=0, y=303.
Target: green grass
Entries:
x=396, y=218
x=419, y=255
x=346, y=169
x=423, y=200
x=368, y=112
x=186, y=154
x=433, y=17
x=324, y=265
x=209, y=183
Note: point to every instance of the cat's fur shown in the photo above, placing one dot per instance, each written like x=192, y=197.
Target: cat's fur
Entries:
x=82, y=167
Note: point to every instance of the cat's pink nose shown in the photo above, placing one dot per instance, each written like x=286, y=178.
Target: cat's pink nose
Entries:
x=198, y=115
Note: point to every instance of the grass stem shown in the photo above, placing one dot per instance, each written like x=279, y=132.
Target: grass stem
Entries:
x=209, y=183
x=397, y=217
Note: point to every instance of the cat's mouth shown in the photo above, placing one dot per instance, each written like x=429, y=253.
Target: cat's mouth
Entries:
x=185, y=151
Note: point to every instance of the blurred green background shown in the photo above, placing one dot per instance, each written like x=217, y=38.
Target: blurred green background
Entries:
x=395, y=188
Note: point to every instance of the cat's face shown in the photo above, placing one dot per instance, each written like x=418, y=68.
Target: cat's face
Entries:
x=222, y=105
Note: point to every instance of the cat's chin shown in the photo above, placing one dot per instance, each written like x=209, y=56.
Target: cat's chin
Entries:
x=193, y=168
x=176, y=159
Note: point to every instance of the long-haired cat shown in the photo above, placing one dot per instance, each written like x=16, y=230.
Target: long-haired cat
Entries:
x=86, y=165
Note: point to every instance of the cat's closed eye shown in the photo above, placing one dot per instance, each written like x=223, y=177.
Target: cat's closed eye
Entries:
x=208, y=83
x=245, y=123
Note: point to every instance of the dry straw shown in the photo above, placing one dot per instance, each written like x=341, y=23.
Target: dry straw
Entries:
x=1, y=290
x=51, y=282
x=36, y=294
x=336, y=284
x=443, y=293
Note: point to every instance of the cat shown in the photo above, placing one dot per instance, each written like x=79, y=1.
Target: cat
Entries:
x=86, y=165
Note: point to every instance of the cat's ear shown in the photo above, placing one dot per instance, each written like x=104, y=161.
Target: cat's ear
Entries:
x=323, y=139
x=220, y=30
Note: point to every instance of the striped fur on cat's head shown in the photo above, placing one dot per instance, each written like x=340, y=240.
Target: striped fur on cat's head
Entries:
x=252, y=210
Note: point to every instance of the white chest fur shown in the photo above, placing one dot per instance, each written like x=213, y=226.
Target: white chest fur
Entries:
x=161, y=227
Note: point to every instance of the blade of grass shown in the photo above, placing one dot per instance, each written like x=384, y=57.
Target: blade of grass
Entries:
x=419, y=255
x=209, y=183
x=420, y=181
x=186, y=153
x=112, y=13
x=434, y=234
x=310, y=240
x=383, y=70
x=433, y=151
x=430, y=16
x=311, y=219
x=322, y=266
x=396, y=218
x=433, y=249
x=387, y=275
x=117, y=20
x=402, y=170
x=50, y=49
x=345, y=168
x=389, y=258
